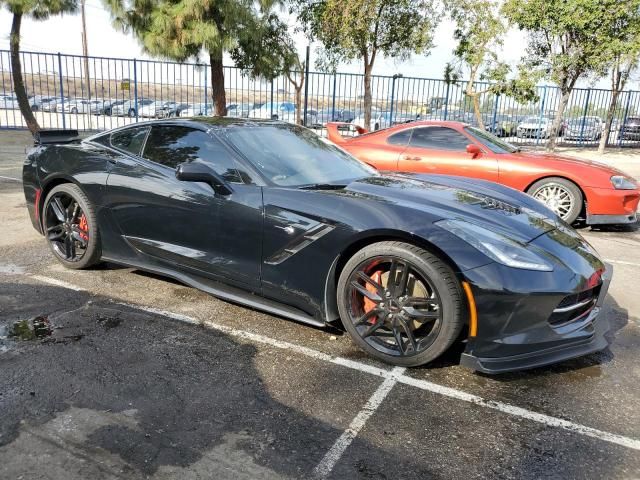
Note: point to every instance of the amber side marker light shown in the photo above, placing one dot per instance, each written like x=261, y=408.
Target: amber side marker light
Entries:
x=473, y=313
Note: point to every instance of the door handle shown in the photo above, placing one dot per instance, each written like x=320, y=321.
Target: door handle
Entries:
x=412, y=159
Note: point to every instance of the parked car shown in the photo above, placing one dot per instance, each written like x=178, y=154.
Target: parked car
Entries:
x=330, y=115
x=270, y=215
x=171, y=109
x=53, y=104
x=199, y=109
x=535, y=127
x=379, y=120
x=113, y=105
x=584, y=129
x=238, y=110
x=128, y=107
x=571, y=188
x=150, y=109
x=9, y=101
x=35, y=101
x=75, y=105
x=504, y=125
x=630, y=129
x=285, y=111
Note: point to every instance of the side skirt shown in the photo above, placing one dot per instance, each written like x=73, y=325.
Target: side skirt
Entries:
x=228, y=293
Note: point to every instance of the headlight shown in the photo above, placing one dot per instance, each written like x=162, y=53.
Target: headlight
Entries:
x=496, y=246
x=621, y=182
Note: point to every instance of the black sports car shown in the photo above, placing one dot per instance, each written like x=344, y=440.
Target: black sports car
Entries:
x=270, y=215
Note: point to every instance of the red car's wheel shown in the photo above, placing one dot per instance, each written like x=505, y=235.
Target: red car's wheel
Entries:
x=560, y=195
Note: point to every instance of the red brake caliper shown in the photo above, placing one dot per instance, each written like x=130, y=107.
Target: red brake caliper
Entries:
x=370, y=304
x=84, y=228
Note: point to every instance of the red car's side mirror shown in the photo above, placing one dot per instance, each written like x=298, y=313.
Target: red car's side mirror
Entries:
x=474, y=150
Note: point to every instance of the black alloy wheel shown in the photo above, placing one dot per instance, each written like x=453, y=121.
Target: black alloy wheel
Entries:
x=400, y=303
x=70, y=227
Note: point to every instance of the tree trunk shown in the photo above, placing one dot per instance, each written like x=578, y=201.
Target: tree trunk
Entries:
x=608, y=121
x=218, y=94
x=367, y=96
x=299, y=103
x=18, y=81
x=557, y=121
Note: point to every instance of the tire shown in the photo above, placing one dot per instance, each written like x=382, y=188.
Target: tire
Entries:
x=542, y=190
x=92, y=250
x=74, y=110
x=429, y=275
x=376, y=127
x=132, y=113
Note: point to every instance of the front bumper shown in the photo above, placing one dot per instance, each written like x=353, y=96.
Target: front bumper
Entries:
x=516, y=309
x=611, y=206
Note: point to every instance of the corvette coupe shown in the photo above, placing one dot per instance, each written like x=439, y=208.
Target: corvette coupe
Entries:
x=272, y=216
x=574, y=189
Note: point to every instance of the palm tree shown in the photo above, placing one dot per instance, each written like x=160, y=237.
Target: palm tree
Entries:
x=37, y=10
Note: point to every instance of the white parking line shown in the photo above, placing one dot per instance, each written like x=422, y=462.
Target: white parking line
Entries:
x=10, y=178
x=57, y=283
x=622, y=262
x=461, y=395
x=331, y=458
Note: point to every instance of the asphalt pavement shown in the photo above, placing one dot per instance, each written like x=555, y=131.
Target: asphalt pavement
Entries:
x=142, y=377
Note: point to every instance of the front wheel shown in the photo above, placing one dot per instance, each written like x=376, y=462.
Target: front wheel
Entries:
x=560, y=195
x=400, y=303
x=71, y=228
x=132, y=113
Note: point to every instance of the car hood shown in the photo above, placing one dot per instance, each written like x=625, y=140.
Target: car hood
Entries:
x=533, y=125
x=446, y=197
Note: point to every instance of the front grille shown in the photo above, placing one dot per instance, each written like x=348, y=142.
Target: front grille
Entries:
x=574, y=306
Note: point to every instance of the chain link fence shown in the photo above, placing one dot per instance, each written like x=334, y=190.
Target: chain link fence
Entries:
x=97, y=93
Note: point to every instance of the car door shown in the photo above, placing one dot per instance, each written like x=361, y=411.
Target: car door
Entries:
x=187, y=224
x=443, y=150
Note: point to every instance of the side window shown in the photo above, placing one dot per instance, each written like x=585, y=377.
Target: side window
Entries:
x=171, y=145
x=400, y=138
x=129, y=140
x=439, y=138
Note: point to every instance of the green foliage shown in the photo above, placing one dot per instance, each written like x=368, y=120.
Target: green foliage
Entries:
x=569, y=39
x=40, y=9
x=363, y=29
x=268, y=52
x=182, y=29
x=479, y=32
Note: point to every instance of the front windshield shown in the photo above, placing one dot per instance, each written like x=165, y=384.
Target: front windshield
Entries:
x=490, y=141
x=292, y=156
x=577, y=122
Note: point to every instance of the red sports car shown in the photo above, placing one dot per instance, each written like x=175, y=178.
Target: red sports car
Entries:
x=574, y=189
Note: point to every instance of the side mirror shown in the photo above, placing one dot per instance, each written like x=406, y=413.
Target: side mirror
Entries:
x=199, y=172
x=474, y=150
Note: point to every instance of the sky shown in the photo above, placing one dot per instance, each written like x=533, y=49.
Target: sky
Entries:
x=63, y=34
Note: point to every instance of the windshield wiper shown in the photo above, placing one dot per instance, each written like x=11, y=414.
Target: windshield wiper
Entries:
x=323, y=186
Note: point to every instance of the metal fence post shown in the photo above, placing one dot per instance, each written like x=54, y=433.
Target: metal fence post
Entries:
x=206, y=106
x=446, y=102
x=135, y=88
x=544, y=99
x=393, y=93
x=584, y=115
x=624, y=120
x=64, y=122
x=306, y=85
x=495, y=113
x=333, y=100
x=271, y=101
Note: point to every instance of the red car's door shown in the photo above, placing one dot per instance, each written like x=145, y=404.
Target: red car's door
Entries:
x=443, y=150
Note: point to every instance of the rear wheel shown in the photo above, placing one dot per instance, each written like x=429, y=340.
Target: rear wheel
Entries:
x=71, y=228
x=560, y=195
x=400, y=303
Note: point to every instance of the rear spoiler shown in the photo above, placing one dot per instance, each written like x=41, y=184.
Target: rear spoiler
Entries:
x=47, y=137
x=333, y=132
